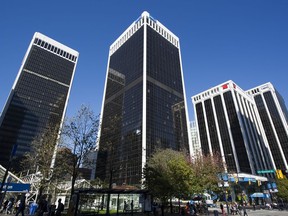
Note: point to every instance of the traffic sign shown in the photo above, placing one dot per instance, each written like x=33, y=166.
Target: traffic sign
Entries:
x=265, y=171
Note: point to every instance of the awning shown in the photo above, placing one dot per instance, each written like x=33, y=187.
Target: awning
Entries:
x=259, y=195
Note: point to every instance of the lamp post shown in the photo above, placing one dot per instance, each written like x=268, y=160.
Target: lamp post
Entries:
x=223, y=177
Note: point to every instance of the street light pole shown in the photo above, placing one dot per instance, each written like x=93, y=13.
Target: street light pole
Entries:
x=222, y=176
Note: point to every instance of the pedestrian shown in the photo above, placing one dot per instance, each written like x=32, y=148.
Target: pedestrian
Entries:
x=21, y=207
x=33, y=207
x=154, y=208
x=254, y=205
x=42, y=206
x=244, y=211
x=60, y=208
x=187, y=208
x=17, y=204
x=125, y=206
x=10, y=206
x=4, y=206
x=222, y=208
x=132, y=205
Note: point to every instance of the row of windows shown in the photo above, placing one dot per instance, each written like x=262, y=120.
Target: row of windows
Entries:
x=150, y=21
x=54, y=49
x=47, y=64
x=224, y=133
x=207, y=93
x=202, y=129
x=163, y=62
x=269, y=132
x=212, y=126
x=236, y=132
x=128, y=60
x=129, y=32
x=277, y=121
x=167, y=35
x=254, y=91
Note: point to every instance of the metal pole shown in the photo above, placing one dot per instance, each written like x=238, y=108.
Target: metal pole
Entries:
x=225, y=194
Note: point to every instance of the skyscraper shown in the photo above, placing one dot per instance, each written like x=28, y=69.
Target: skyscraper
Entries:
x=144, y=106
x=274, y=116
x=195, y=138
x=229, y=124
x=39, y=96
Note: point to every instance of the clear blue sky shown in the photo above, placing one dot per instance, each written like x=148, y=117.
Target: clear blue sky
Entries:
x=242, y=40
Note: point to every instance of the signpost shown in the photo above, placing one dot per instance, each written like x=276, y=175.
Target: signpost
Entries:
x=16, y=187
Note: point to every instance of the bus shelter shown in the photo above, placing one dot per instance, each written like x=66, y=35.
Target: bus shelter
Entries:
x=122, y=201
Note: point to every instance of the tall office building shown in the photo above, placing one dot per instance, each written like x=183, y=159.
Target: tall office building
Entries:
x=144, y=106
x=274, y=117
x=228, y=123
x=39, y=96
x=195, y=138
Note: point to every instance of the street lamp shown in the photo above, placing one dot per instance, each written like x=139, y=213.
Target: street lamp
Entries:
x=223, y=177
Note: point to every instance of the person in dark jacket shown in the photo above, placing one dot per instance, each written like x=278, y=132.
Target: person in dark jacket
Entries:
x=42, y=206
x=60, y=208
x=22, y=206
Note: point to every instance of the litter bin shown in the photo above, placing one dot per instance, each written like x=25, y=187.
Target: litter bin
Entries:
x=216, y=213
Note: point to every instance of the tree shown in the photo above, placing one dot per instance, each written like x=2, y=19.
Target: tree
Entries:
x=80, y=133
x=167, y=174
x=181, y=174
x=282, y=186
x=205, y=169
x=39, y=159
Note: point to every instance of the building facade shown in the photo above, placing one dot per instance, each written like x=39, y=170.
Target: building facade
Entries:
x=274, y=117
x=38, y=98
x=229, y=124
x=144, y=106
x=195, y=138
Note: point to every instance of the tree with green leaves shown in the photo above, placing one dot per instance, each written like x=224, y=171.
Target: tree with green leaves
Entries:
x=282, y=186
x=168, y=174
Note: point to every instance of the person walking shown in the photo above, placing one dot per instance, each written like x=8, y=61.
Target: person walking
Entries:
x=60, y=208
x=222, y=208
x=244, y=211
x=9, y=207
x=254, y=205
x=21, y=207
x=42, y=206
x=126, y=207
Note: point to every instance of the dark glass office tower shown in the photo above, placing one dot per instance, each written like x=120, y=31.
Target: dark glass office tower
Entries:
x=144, y=106
x=39, y=96
x=273, y=114
x=229, y=125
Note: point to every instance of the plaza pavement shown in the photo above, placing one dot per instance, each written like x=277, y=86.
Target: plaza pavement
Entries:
x=250, y=212
x=257, y=212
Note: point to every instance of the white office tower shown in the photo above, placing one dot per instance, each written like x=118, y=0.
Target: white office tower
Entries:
x=229, y=124
x=194, y=138
x=274, y=117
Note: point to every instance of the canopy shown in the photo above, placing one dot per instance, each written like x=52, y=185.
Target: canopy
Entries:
x=259, y=195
